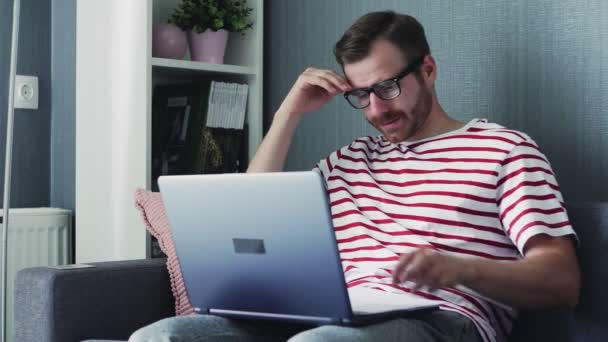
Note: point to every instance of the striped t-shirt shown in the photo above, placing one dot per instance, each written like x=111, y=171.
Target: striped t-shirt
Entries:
x=480, y=191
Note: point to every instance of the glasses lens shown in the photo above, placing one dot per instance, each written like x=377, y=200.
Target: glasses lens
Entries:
x=358, y=99
x=387, y=90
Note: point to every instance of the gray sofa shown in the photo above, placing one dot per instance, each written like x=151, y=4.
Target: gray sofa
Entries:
x=115, y=298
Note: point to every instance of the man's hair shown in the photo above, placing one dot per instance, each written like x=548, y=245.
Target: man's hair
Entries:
x=402, y=30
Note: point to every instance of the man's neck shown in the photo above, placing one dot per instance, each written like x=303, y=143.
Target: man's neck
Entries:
x=438, y=122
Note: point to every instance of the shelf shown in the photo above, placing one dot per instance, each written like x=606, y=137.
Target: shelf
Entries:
x=177, y=65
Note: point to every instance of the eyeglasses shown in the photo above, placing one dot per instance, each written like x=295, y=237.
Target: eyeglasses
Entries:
x=386, y=90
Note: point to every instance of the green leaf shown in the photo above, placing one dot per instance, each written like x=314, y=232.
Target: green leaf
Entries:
x=218, y=24
x=198, y=15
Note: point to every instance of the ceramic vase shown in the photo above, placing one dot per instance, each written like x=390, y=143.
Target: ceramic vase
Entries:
x=169, y=41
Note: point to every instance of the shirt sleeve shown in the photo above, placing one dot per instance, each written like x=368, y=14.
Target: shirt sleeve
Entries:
x=528, y=196
x=326, y=166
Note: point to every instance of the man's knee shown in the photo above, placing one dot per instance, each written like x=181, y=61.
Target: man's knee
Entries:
x=154, y=332
x=183, y=328
x=326, y=333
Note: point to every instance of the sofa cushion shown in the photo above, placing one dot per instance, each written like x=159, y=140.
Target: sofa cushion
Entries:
x=151, y=207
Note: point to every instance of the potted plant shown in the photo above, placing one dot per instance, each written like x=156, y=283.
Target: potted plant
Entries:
x=208, y=23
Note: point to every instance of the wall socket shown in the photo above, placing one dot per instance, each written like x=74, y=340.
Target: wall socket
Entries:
x=26, y=92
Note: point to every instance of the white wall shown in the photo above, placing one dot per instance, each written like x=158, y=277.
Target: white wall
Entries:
x=112, y=71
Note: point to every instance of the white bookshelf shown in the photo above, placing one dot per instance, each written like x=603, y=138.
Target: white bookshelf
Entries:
x=180, y=66
x=243, y=62
x=115, y=76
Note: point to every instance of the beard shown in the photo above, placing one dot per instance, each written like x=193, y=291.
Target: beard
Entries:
x=409, y=124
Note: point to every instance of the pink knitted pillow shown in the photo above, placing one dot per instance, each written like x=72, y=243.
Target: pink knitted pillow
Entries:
x=152, y=211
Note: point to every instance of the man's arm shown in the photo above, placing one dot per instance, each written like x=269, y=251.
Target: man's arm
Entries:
x=313, y=89
x=547, y=276
x=271, y=155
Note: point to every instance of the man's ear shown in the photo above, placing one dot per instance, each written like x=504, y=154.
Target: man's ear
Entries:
x=428, y=69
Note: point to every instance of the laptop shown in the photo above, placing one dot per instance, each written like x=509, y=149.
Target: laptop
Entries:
x=262, y=246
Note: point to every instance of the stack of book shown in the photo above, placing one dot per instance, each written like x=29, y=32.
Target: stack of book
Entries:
x=221, y=143
x=198, y=128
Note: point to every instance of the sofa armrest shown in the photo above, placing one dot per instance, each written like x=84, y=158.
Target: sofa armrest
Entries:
x=587, y=322
x=109, y=301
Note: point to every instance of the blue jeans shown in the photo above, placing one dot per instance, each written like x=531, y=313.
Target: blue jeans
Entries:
x=435, y=326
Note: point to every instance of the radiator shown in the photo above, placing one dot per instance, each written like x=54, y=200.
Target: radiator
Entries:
x=36, y=237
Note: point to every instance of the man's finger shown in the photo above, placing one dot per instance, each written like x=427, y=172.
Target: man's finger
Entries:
x=417, y=268
x=400, y=269
x=401, y=265
x=340, y=80
x=332, y=77
x=334, y=83
x=321, y=82
x=340, y=84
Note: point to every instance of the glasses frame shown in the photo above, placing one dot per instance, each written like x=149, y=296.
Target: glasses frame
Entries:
x=371, y=89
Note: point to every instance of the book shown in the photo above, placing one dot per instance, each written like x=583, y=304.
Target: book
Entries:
x=177, y=112
x=198, y=128
x=190, y=152
x=221, y=150
x=222, y=144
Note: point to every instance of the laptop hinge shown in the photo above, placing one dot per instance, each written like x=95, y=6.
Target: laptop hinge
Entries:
x=263, y=315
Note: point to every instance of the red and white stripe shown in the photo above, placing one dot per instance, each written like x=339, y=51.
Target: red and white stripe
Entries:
x=478, y=192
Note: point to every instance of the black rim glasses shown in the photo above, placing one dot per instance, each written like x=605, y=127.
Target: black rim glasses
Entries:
x=386, y=90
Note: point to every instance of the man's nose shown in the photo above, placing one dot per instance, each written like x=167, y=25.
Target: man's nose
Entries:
x=377, y=106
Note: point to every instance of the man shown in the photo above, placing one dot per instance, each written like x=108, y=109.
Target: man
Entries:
x=469, y=215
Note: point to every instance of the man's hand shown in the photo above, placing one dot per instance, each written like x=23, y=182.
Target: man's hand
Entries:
x=313, y=89
x=427, y=267
x=546, y=276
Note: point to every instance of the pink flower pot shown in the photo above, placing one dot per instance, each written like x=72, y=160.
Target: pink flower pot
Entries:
x=208, y=46
x=168, y=41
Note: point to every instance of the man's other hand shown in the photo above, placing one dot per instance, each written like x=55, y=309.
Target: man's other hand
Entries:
x=427, y=267
x=313, y=89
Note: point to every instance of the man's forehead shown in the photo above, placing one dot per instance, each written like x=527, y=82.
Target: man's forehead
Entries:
x=384, y=61
x=366, y=76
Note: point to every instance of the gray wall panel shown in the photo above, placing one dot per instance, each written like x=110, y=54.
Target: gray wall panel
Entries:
x=30, y=181
x=44, y=139
x=63, y=120
x=537, y=66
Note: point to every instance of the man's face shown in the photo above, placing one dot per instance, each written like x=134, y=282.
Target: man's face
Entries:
x=401, y=118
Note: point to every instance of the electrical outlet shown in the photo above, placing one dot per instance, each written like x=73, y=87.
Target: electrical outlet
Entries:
x=26, y=92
